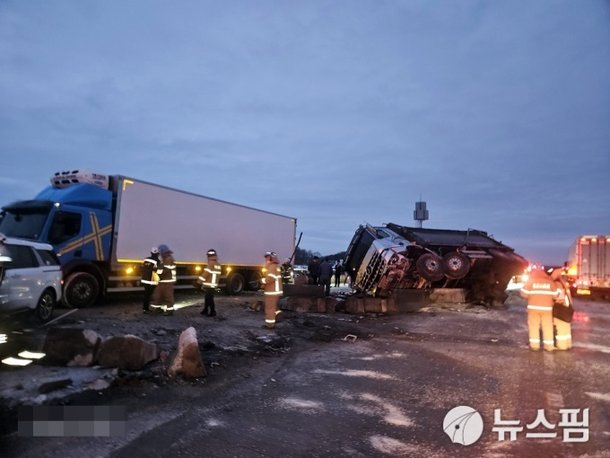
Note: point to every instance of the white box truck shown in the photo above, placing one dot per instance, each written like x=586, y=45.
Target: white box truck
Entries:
x=102, y=227
x=589, y=266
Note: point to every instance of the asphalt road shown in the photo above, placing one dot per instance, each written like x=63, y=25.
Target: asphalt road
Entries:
x=384, y=393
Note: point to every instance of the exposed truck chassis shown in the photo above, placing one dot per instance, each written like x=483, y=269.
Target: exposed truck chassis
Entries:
x=380, y=260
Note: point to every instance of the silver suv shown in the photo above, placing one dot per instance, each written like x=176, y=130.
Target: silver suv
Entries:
x=30, y=278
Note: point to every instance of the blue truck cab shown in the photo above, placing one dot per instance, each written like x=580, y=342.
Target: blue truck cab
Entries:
x=75, y=216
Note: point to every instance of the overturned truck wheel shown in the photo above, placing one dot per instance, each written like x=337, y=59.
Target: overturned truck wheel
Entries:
x=430, y=266
x=456, y=265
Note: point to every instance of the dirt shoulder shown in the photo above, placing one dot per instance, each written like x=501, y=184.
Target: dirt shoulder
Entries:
x=232, y=345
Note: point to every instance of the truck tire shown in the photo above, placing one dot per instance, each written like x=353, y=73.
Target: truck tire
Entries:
x=44, y=308
x=456, y=265
x=255, y=281
x=81, y=289
x=235, y=283
x=430, y=266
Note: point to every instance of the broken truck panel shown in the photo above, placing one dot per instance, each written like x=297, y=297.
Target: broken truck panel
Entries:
x=381, y=259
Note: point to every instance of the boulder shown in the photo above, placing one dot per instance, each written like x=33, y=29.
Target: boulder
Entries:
x=188, y=361
x=303, y=290
x=126, y=352
x=302, y=304
x=448, y=296
x=71, y=347
x=301, y=279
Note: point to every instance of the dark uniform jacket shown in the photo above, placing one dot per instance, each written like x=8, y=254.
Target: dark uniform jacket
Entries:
x=149, y=266
x=210, y=275
x=168, y=272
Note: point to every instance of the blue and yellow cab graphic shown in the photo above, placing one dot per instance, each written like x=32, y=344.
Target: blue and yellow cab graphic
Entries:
x=93, y=242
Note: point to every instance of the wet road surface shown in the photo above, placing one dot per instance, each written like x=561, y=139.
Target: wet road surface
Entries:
x=383, y=393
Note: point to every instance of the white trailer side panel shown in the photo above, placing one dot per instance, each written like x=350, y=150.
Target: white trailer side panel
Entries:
x=149, y=215
x=592, y=259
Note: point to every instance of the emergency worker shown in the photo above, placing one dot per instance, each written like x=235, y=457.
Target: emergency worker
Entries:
x=151, y=270
x=562, y=312
x=313, y=269
x=209, y=282
x=326, y=272
x=338, y=268
x=272, y=286
x=540, y=291
x=287, y=272
x=164, y=292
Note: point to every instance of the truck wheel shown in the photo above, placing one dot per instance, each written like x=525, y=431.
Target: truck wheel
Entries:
x=235, y=283
x=430, y=266
x=456, y=265
x=255, y=281
x=81, y=289
x=44, y=308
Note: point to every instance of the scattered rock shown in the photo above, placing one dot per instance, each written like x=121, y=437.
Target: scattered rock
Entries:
x=188, y=359
x=257, y=306
x=38, y=399
x=99, y=385
x=126, y=352
x=71, y=347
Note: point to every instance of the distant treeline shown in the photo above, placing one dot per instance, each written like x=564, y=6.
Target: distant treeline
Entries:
x=303, y=256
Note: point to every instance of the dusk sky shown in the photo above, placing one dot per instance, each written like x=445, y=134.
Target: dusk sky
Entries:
x=338, y=113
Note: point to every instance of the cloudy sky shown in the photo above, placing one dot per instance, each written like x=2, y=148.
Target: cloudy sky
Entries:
x=336, y=112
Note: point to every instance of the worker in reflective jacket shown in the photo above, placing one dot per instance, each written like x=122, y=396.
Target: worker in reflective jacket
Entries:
x=272, y=286
x=151, y=269
x=164, y=292
x=540, y=291
x=563, y=328
x=209, y=282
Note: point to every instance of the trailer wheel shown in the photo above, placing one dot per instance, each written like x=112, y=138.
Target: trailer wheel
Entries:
x=235, y=283
x=430, y=266
x=81, y=289
x=456, y=265
x=44, y=308
x=255, y=281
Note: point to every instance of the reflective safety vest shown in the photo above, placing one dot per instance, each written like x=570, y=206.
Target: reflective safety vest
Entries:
x=541, y=292
x=168, y=272
x=210, y=276
x=273, y=280
x=150, y=267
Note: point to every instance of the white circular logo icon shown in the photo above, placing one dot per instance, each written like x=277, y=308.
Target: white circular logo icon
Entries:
x=463, y=425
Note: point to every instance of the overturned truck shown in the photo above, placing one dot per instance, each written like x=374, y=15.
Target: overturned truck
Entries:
x=380, y=260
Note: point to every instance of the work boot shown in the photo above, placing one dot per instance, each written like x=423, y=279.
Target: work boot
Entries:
x=205, y=311
x=212, y=312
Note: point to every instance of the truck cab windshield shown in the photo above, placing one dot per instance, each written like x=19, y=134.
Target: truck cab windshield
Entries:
x=27, y=224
